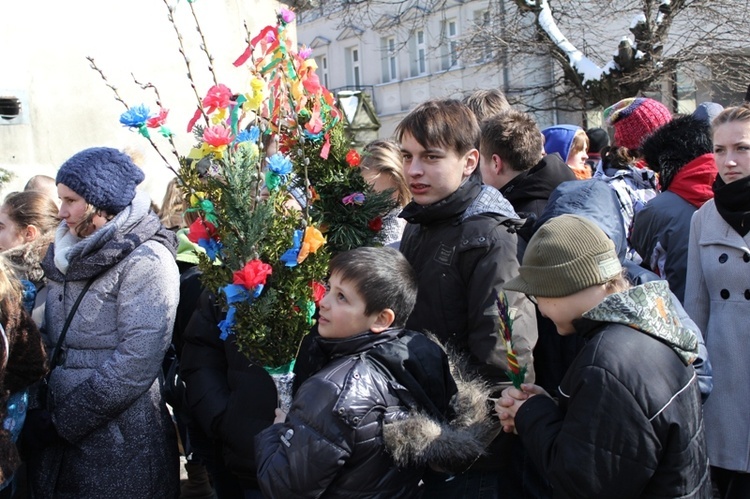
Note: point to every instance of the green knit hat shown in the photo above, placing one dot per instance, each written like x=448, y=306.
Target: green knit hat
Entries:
x=566, y=255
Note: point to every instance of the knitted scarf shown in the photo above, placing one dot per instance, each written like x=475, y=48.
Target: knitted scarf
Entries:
x=733, y=203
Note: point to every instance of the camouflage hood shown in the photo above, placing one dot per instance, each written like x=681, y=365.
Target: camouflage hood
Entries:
x=648, y=308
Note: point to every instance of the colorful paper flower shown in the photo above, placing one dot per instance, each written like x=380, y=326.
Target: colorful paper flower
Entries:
x=217, y=136
x=311, y=243
x=353, y=158
x=286, y=15
x=376, y=224
x=355, y=198
x=272, y=181
x=212, y=247
x=290, y=256
x=227, y=324
x=136, y=116
x=253, y=273
x=318, y=291
x=158, y=120
x=279, y=164
x=217, y=97
x=250, y=135
x=201, y=229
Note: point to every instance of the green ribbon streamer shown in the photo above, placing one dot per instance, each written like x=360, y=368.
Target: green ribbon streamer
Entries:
x=236, y=112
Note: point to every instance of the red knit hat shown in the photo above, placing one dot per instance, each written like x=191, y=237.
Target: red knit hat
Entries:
x=634, y=119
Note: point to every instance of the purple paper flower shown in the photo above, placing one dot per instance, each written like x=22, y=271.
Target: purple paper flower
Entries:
x=356, y=198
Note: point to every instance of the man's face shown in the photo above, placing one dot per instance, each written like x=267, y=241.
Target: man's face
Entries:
x=434, y=173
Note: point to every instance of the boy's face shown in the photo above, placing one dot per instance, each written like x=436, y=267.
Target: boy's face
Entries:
x=434, y=173
x=342, y=310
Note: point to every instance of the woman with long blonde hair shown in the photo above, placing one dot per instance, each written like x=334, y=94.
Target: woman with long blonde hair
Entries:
x=382, y=166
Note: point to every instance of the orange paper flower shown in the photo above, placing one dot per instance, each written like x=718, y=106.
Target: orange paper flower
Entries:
x=312, y=241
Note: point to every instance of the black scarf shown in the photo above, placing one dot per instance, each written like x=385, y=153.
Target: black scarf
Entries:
x=733, y=203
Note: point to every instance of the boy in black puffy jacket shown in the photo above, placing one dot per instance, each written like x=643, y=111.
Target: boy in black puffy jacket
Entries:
x=383, y=405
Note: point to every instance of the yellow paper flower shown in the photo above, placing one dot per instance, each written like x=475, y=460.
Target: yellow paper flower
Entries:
x=312, y=241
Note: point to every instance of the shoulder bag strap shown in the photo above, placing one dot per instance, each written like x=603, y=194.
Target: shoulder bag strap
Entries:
x=56, y=354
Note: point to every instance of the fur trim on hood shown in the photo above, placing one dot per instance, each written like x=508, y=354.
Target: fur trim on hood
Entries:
x=453, y=446
x=676, y=144
x=27, y=258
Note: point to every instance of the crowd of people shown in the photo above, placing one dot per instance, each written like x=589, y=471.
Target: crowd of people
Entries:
x=619, y=269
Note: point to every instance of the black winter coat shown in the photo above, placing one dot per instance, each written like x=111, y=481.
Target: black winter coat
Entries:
x=368, y=423
x=229, y=398
x=629, y=423
x=529, y=191
x=463, y=249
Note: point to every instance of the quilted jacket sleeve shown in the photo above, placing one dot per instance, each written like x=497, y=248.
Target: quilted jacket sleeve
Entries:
x=302, y=456
x=602, y=446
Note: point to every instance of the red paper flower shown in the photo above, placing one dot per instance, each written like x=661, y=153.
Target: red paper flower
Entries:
x=353, y=158
x=218, y=97
x=158, y=120
x=200, y=229
x=217, y=136
x=375, y=224
x=319, y=291
x=253, y=273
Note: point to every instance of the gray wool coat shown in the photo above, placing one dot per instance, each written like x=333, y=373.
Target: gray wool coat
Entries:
x=119, y=440
x=717, y=298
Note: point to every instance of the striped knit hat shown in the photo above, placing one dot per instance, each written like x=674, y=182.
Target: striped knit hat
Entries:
x=634, y=119
x=567, y=254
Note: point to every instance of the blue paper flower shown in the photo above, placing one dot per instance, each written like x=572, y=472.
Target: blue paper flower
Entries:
x=135, y=117
x=290, y=256
x=248, y=135
x=227, y=324
x=279, y=164
x=212, y=247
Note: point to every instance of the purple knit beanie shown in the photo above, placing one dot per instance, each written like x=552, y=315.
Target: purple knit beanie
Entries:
x=106, y=178
x=634, y=119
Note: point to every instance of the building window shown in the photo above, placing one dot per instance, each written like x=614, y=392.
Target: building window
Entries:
x=353, y=66
x=449, y=32
x=322, y=71
x=483, y=42
x=418, y=52
x=390, y=60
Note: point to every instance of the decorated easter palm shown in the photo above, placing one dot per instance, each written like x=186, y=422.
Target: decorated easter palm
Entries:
x=271, y=222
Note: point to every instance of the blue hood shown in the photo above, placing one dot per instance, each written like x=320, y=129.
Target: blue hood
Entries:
x=559, y=139
x=592, y=199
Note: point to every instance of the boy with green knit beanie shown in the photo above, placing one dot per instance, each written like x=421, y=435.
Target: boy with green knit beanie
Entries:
x=628, y=420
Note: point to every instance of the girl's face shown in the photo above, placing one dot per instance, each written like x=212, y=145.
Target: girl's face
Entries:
x=578, y=159
x=732, y=150
x=380, y=182
x=11, y=235
x=564, y=310
x=73, y=209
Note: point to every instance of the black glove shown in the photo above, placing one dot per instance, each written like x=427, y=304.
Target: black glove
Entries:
x=38, y=431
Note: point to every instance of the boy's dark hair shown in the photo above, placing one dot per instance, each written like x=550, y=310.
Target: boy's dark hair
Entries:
x=382, y=276
x=515, y=137
x=446, y=123
x=486, y=103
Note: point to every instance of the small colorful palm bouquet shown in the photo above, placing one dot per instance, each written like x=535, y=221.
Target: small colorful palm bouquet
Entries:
x=268, y=222
x=516, y=372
